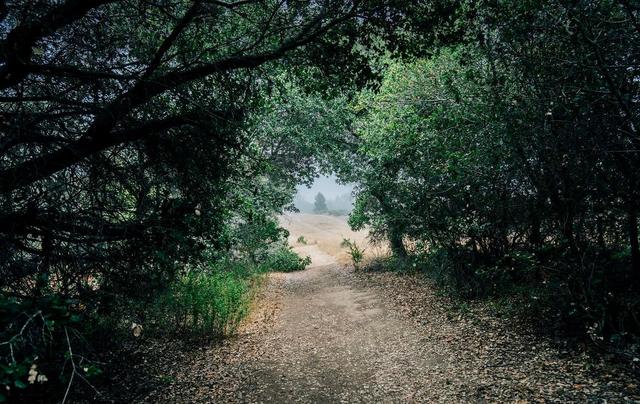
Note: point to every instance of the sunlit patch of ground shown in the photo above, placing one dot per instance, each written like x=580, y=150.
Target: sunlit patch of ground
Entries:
x=326, y=232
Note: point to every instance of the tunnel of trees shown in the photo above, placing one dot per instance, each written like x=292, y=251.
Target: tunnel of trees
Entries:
x=147, y=147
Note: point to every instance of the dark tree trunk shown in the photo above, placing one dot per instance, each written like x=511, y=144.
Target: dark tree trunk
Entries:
x=535, y=234
x=535, y=237
x=567, y=230
x=397, y=246
x=395, y=235
x=633, y=241
x=42, y=278
x=602, y=245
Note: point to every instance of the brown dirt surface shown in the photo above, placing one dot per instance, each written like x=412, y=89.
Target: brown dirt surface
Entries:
x=329, y=334
x=326, y=233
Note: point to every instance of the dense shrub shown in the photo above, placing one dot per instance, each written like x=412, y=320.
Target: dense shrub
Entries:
x=283, y=259
x=512, y=157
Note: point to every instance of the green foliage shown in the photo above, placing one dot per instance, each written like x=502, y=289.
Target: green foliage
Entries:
x=302, y=240
x=34, y=342
x=283, y=259
x=355, y=252
x=211, y=300
x=510, y=158
x=174, y=135
x=207, y=302
x=311, y=131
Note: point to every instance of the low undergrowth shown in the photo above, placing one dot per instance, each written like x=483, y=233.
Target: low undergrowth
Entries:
x=53, y=346
x=355, y=252
x=572, y=301
x=283, y=259
x=211, y=301
x=204, y=303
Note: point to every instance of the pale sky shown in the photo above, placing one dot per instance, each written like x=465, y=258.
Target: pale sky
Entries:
x=327, y=185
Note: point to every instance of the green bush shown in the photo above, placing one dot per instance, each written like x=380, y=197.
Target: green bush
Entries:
x=356, y=253
x=464, y=274
x=212, y=300
x=283, y=259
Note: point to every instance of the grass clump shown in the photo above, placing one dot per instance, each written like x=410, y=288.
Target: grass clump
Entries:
x=206, y=303
x=211, y=300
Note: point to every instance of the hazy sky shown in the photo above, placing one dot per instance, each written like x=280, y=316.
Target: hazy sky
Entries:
x=327, y=185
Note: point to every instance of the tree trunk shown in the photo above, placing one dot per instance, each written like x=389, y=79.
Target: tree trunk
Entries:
x=395, y=235
x=535, y=234
x=397, y=246
x=567, y=230
x=633, y=241
x=602, y=245
x=42, y=278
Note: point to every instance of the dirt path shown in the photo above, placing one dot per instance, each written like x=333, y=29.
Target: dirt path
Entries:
x=335, y=342
x=330, y=335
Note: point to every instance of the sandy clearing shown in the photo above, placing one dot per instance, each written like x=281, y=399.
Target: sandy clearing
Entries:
x=325, y=232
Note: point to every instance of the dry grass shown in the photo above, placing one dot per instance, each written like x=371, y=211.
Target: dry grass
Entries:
x=327, y=232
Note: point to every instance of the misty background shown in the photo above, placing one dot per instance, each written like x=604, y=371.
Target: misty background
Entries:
x=339, y=198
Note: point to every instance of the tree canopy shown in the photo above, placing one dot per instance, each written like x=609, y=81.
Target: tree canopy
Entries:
x=147, y=147
x=511, y=156
x=142, y=140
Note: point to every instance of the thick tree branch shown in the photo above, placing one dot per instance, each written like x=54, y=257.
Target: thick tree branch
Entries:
x=43, y=166
x=74, y=72
x=99, y=137
x=17, y=49
x=170, y=40
x=230, y=4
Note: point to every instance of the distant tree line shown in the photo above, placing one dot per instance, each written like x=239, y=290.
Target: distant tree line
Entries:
x=339, y=205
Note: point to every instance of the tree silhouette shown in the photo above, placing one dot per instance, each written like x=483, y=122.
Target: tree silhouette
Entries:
x=320, y=204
